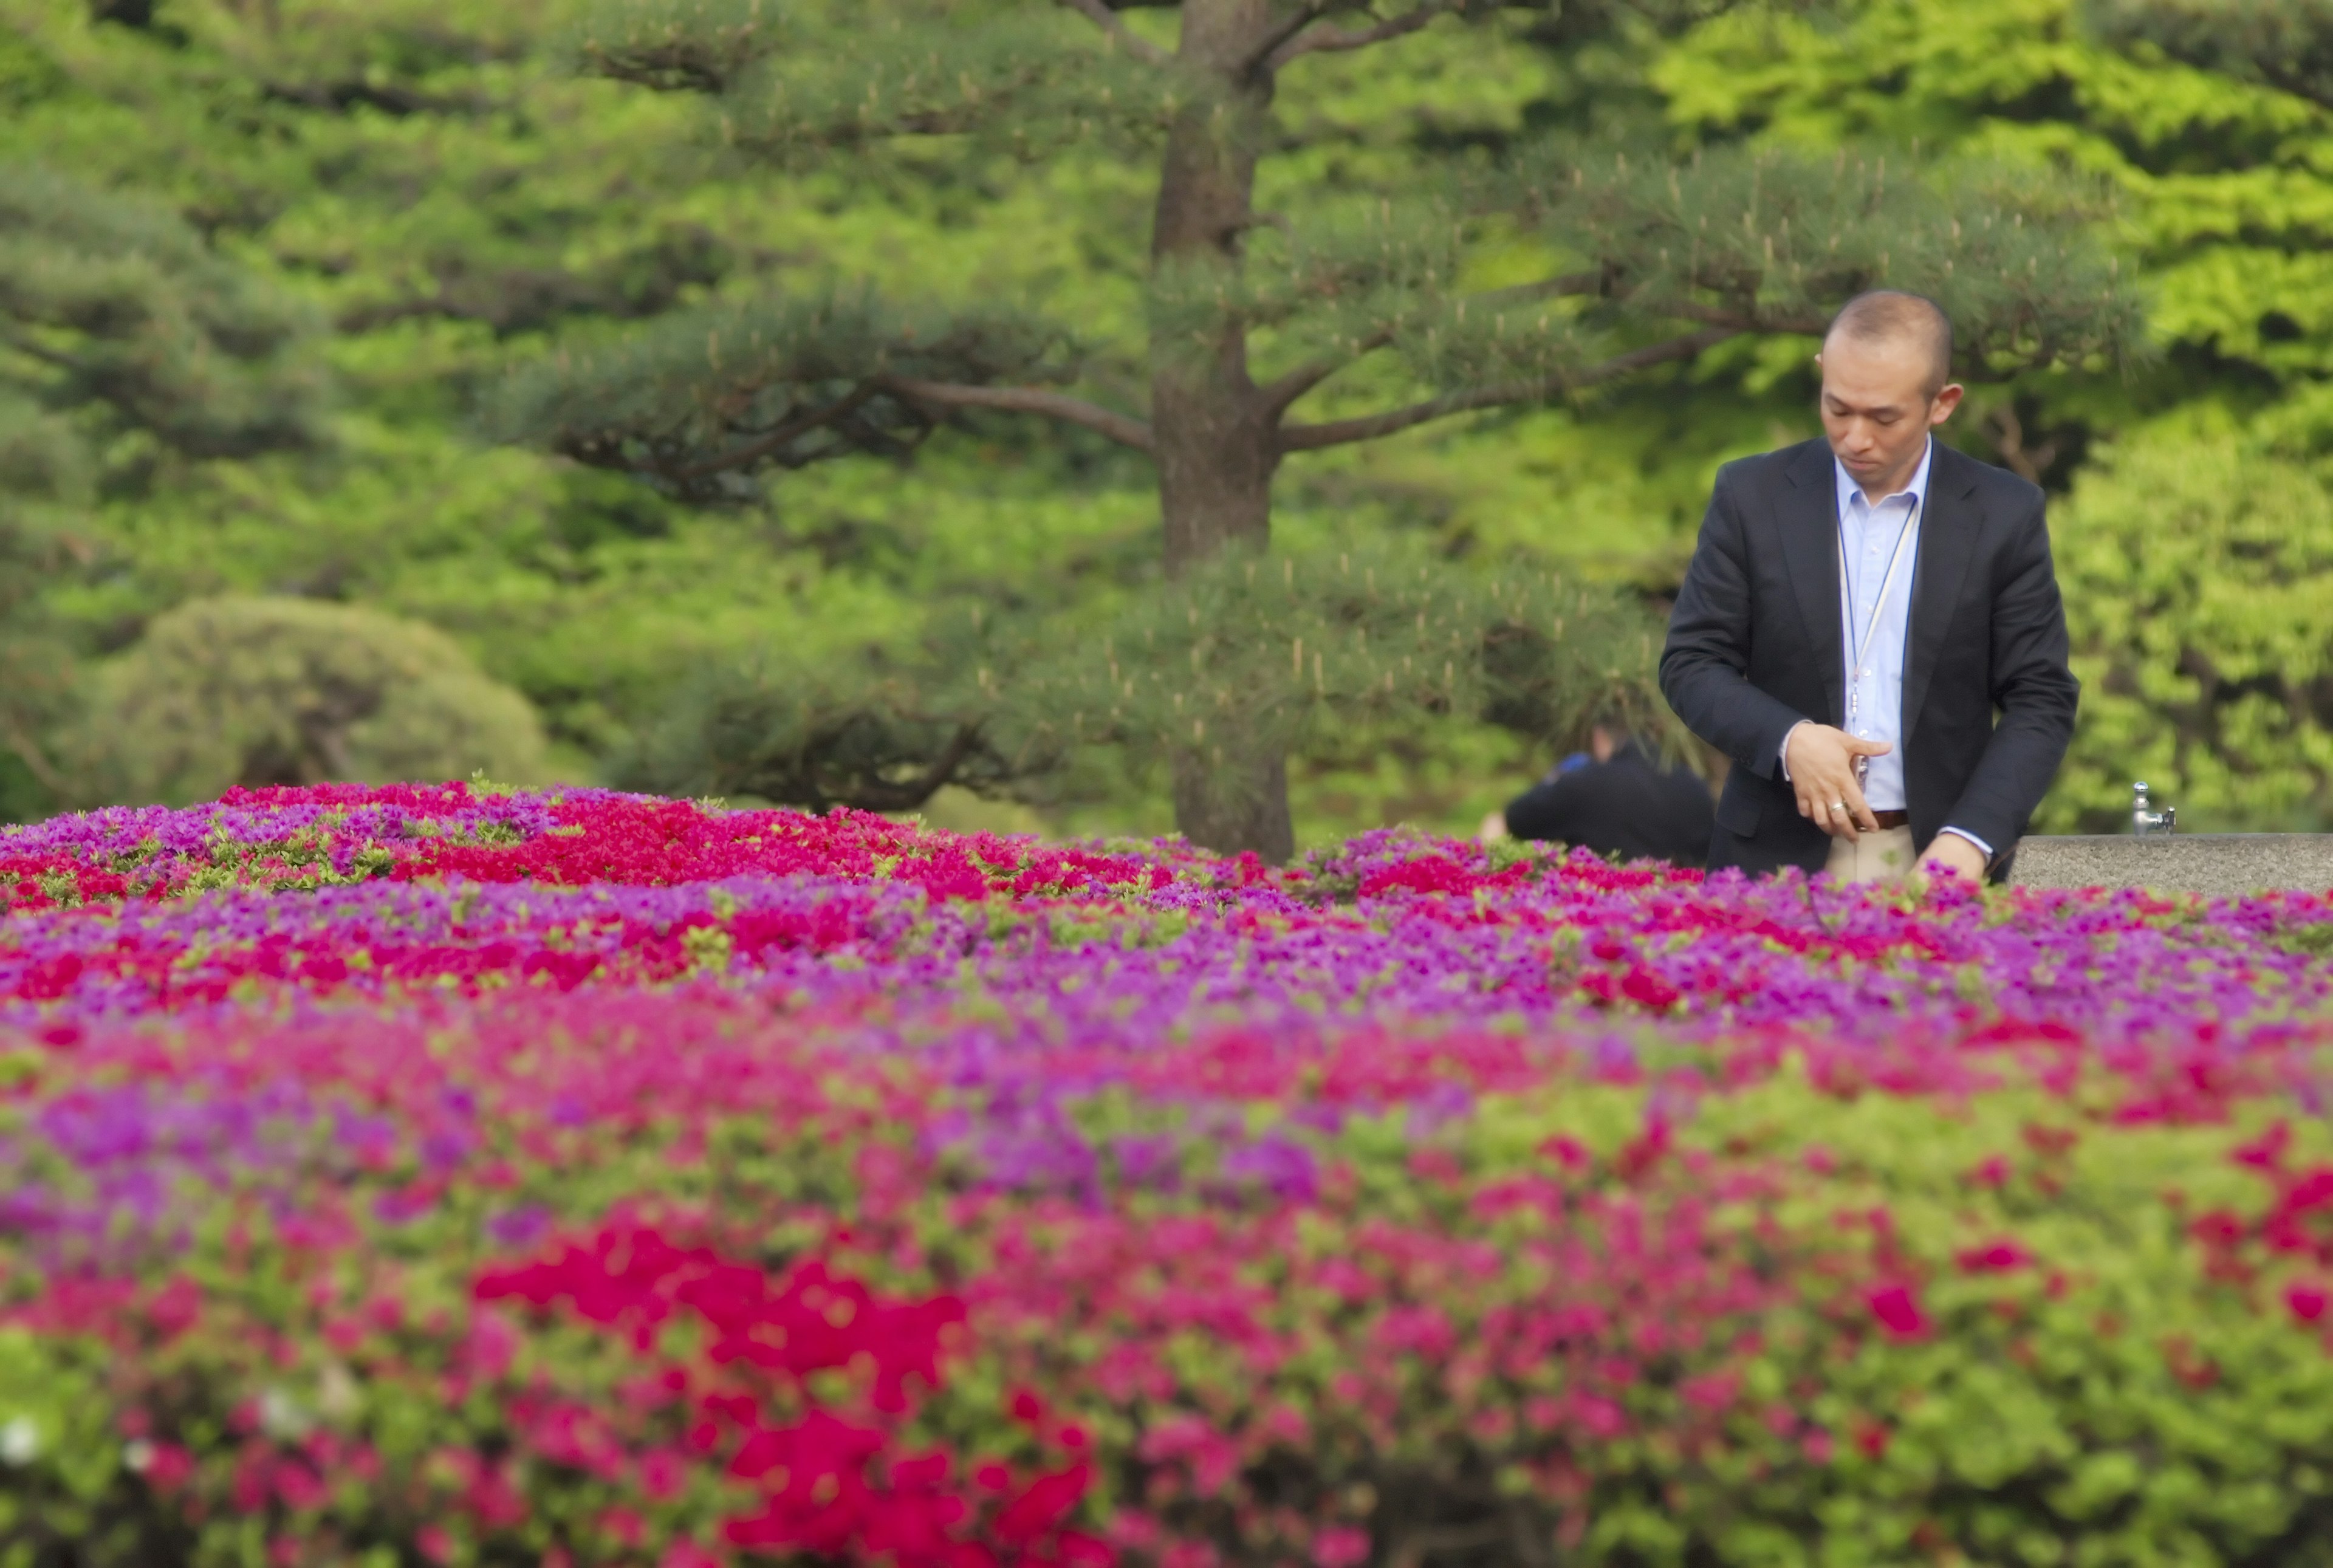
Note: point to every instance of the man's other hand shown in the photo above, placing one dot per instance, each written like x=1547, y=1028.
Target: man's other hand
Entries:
x=1955, y=854
x=1493, y=828
x=1821, y=761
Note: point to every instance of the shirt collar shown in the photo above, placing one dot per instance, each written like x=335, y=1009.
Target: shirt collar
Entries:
x=1917, y=488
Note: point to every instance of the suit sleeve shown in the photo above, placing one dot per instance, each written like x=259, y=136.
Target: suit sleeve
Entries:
x=2033, y=688
x=1705, y=665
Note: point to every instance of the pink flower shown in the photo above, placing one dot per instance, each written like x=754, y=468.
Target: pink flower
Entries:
x=1568, y=1152
x=2308, y=1301
x=1713, y=1392
x=1898, y=1312
x=1998, y=1257
x=663, y=1473
x=1133, y=1530
x=1601, y=1419
x=1341, y=1546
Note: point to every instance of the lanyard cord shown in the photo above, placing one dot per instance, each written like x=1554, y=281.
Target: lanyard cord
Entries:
x=1860, y=652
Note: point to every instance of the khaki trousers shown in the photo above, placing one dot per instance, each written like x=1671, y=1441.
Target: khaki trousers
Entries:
x=1885, y=856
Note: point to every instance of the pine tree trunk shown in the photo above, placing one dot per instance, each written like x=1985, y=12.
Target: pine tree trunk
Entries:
x=1216, y=444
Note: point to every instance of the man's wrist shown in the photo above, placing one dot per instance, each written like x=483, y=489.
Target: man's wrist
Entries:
x=1782, y=751
x=1963, y=833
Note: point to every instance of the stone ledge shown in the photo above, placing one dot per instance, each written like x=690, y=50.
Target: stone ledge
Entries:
x=2219, y=865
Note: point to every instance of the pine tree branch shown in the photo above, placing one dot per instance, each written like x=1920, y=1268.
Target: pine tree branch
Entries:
x=1279, y=396
x=1125, y=37
x=1341, y=432
x=1125, y=429
x=775, y=440
x=1748, y=320
x=1269, y=46
x=33, y=349
x=1326, y=40
x=1276, y=397
x=36, y=761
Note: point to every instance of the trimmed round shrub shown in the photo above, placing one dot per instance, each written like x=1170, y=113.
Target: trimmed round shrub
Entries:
x=257, y=691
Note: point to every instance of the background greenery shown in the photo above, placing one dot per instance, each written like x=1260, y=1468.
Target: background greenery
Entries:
x=432, y=192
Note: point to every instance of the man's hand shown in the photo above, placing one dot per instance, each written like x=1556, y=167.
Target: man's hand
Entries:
x=1821, y=761
x=1951, y=854
x=1493, y=828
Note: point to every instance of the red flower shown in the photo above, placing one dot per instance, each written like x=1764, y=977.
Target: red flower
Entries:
x=2267, y=1152
x=1045, y=1503
x=2308, y=1301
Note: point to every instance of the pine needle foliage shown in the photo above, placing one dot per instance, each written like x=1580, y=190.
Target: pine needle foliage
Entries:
x=705, y=398
x=113, y=310
x=1246, y=655
x=883, y=728
x=796, y=82
x=680, y=45
x=1734, y=240
x=1270, y=652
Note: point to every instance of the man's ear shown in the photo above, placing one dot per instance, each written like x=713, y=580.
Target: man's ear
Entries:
x=1947, y=398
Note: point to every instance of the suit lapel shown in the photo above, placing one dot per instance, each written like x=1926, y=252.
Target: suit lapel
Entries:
x=1808, y=518
x=1946, y=530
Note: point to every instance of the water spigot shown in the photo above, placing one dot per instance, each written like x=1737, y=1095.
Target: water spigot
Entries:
x=2144, y=820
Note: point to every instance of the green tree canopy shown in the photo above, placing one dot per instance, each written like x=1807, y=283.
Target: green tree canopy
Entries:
x=2287, y=44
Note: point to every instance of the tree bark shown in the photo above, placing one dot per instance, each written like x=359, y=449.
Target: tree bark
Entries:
x=1216, y=437
x=1235, y=801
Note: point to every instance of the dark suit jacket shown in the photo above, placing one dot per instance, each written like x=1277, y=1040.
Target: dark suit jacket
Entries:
x=1754, y=647
x=1627, y=807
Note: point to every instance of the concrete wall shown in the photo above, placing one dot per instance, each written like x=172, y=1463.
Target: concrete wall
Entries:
x=2218, y=864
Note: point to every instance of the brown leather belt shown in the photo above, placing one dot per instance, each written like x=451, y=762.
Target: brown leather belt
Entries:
x=1891, y=818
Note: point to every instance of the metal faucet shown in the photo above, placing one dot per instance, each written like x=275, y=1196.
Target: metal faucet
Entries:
x=2144, y=820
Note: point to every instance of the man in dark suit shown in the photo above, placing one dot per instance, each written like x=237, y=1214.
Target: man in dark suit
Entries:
x=1615, y=801
x=1858, y=611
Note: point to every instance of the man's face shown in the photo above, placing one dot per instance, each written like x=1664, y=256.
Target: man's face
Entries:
x=1878, y=409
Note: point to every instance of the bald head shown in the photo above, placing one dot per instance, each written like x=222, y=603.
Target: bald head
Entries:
x=1890, y=319
x=1887, y=365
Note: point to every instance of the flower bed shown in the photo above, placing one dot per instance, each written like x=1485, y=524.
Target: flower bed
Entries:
x=410, y=1176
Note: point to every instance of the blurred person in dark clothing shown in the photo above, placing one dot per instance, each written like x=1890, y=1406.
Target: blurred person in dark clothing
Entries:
x=1618, y=800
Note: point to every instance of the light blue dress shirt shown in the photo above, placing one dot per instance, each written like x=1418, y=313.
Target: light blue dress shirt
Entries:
x=1867, y=532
